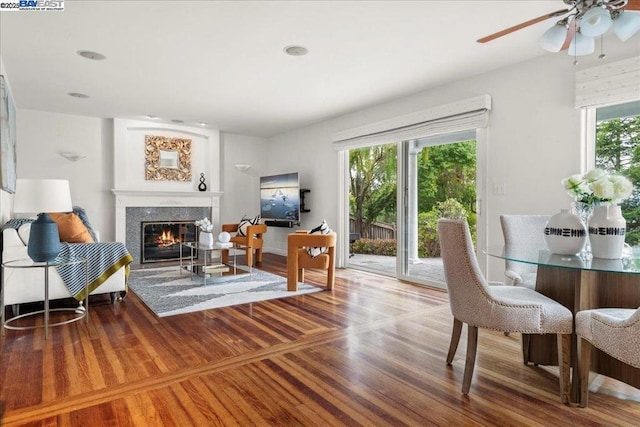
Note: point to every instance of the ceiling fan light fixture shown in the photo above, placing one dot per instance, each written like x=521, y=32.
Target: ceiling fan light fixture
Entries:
x=626, y=25
x=581, y=45
x=595, y=22
x=553, y=39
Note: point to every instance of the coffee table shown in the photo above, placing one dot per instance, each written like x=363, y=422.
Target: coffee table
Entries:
x=208, y=264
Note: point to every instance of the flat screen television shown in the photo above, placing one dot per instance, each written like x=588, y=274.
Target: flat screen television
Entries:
x=280, y=199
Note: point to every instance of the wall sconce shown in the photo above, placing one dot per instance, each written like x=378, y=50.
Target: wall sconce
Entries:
x=72, y=156
x=242, y=167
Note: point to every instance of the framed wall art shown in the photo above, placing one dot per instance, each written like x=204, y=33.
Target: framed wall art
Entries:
x=7, y=138
x=167, y=159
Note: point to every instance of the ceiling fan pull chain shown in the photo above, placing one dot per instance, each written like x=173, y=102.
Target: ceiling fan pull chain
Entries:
x=602, y=54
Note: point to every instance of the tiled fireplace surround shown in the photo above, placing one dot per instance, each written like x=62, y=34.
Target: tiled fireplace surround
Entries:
x=133, y=207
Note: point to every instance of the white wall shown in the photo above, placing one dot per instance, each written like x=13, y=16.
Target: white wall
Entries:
x=309, y=152
x=6, y=199
x=534, y=140
x=242, y=188
x=129, y=152
x=42, y=135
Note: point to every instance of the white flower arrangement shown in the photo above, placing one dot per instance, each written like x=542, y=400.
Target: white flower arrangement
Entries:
x=204, y=224
x=598, y=187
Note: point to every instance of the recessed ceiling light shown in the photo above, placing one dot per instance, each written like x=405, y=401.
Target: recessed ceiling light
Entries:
x=295, y=50
x=91, y=55
x=151, y=117
x=177, y=121
x=202, y=124
x=78, y=95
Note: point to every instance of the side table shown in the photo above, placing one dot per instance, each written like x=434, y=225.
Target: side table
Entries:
x=28, y=263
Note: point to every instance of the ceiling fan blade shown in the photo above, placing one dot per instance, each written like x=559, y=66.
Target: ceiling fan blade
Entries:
x=523, y=25
x=633, y=5
x=571, y=32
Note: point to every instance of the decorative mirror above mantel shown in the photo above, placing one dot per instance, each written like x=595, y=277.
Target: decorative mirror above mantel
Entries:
x=167, y=159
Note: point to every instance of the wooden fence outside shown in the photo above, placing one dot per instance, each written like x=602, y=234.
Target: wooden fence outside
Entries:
x=377, y=230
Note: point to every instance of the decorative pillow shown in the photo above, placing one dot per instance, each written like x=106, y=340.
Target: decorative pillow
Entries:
x=82, y=214
x=321, y=229
x=245, y=222
x=70, y=228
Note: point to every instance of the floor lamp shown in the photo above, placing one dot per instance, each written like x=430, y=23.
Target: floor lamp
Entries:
x=41, y=196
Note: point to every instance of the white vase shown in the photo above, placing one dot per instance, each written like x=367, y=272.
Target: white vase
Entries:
x=205, y=239
x=607, y=229
x=565, y=234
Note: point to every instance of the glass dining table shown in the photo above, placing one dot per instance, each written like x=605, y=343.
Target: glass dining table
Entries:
x=580, y=282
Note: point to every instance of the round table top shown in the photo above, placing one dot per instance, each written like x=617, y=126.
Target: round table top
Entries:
x=628, y=263
x=29, y=263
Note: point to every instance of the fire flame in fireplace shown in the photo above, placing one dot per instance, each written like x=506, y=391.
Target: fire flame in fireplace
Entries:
x=166, y=238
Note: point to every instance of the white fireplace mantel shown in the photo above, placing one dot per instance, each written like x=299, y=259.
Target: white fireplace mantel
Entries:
x=150, y=198
x=171, y=198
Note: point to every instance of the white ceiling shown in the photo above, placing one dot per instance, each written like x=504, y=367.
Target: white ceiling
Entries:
x=223, y=63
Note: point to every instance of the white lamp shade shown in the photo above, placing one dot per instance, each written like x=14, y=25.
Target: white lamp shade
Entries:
x=626, y=25
x=581, y=45
x=553, y=39
x=595, y=22
x=34, y=196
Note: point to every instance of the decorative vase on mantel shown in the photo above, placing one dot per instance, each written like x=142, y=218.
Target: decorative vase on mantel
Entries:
x=205, y=239
x=565, y=234
x=607, y=229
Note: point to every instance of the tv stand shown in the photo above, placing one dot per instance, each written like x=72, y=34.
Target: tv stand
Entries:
x=286, y=224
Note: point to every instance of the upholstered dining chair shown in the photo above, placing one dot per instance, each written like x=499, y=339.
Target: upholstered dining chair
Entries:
x=298, y=257
x=616, y=331
x=251, y=242
x=504, y=308
x=518, y=231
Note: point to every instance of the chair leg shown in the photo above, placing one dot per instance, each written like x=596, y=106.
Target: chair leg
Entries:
x=224, y=255
x=526, y=340
x=584, y=366
x=292, y=272
x=564, y=359
x=249, y=253
x=472, y=347
x=455, y=339
x=331, y=278
x=258, y=256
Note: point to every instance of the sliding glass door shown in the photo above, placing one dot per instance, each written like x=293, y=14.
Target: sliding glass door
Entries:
x=398, y=191
x=372, y=208
x=438, y=179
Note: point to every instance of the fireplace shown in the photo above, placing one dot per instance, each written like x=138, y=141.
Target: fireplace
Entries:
x=161, y=240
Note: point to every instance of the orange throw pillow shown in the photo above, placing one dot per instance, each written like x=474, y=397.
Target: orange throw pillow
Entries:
x=70, y=228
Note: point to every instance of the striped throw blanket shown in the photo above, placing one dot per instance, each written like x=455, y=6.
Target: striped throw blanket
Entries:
x=103, y=259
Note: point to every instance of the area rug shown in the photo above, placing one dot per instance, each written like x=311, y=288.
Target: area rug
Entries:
x=167, y=292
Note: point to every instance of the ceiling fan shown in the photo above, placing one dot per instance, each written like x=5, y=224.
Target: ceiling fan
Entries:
x=581, y=22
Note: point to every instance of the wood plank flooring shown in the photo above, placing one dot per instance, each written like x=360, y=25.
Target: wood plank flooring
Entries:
x=371, y=352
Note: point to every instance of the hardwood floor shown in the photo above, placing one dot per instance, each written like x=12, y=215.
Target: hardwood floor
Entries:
x=372, y=352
